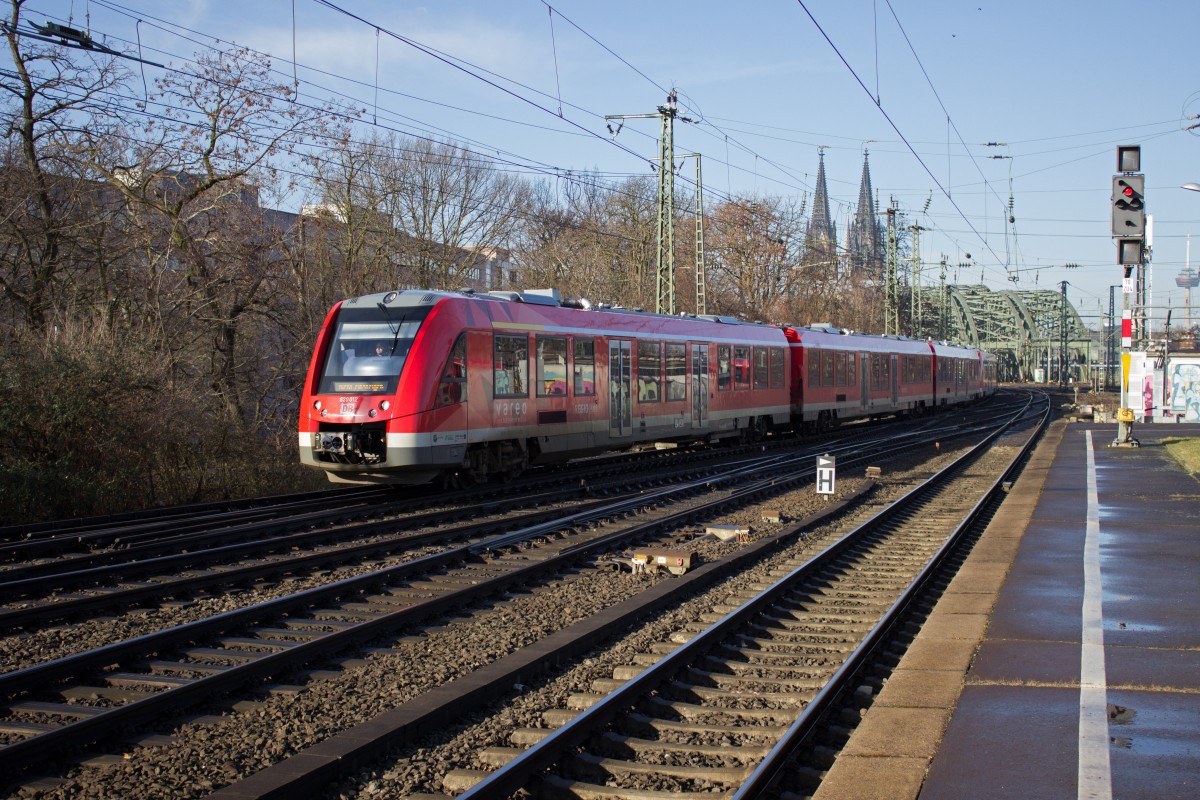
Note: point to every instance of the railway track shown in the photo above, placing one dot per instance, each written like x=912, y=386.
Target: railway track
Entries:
x=721, y=714
x=106, y=540
x=40, y=548
x=312, y=627
x=208, y=561
x=312, y=768
x=133, y=682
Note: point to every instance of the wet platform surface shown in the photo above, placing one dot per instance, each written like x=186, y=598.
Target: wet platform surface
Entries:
x=1084, y=675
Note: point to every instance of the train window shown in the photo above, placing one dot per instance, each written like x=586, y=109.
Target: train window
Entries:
x=777, y=367
x=585, y=367
x=885, y=372
x=840, y=367
x=762, y=368
x=677, y=372
x=452, y=388
x=724, y=368
x=827, y=368
x=814, y=367
x=510, y=368
x=551, y=366
x=876, y=381
x=741, y=367
x=852, y=370
x=649, y=372
x=368, y=350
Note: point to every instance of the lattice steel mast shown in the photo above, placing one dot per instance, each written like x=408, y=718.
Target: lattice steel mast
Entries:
x=664, y=280
x=891, y=289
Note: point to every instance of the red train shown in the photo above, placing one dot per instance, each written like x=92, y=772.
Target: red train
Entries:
x=406, y=387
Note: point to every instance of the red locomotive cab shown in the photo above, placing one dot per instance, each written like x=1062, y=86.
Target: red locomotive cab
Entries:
x=361, y=380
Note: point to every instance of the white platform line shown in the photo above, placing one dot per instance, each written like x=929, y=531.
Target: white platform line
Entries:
x=1095, y=776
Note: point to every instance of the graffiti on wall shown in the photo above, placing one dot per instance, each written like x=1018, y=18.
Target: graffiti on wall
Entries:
x=1183, y=389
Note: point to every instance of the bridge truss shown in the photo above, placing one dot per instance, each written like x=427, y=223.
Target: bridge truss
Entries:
x=1025, y=329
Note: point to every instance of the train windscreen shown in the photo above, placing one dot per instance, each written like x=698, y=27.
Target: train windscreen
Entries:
x=369, y=349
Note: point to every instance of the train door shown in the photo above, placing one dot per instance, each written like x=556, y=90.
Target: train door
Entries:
x=895, y=380
x=700, y=386
x=620, y=371
x=864, y=377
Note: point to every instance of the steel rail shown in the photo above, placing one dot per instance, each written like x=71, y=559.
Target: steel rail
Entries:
x=781, y=754
x=23, y=617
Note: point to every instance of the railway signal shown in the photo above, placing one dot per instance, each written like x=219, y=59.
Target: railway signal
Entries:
x=1129, y=251
x=1129, y=158
x=1129, y=206
x=1129, y=231
x=826, y=474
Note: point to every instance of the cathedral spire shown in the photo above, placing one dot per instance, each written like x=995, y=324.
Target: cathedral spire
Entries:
x=864, y=189
x=864, y=243
x=820, y=225
x=820, y=240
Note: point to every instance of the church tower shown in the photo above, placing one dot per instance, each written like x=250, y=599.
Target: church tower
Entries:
x=820, y=240
x=865, y=244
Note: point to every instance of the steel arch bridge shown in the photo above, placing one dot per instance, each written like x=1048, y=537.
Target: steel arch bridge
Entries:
x=1023, y=328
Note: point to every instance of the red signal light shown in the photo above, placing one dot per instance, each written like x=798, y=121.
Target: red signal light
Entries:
x=1127, y=191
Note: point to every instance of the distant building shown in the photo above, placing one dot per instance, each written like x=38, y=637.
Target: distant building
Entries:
x=375, y=220
x=488, y=268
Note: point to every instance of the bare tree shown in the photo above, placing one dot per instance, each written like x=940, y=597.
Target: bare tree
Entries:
x=49, y=94
x=446, y=203
x=593, y=240
x=223, y=132
x=357, y=237
x=753, y=245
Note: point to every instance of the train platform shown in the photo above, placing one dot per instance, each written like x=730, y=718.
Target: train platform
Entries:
x=1064, y=659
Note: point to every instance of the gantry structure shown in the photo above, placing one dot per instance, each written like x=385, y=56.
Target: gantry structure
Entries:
x=1025, y=329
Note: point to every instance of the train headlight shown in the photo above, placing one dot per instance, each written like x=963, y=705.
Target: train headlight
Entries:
x=372, y=413
x=385, y=405
x=317, y=405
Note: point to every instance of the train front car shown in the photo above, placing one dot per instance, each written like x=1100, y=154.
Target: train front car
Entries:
x=372, y=387
x=411, y=386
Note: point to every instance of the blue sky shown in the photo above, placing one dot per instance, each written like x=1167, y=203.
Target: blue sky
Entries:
x=922, y=84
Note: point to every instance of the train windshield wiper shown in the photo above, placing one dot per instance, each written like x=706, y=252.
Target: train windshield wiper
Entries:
x=395, y=329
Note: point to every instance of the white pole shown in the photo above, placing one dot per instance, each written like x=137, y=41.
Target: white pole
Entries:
x=1187, y=290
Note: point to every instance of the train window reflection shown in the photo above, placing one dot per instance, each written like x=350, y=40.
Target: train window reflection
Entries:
x=741, y=367
x=776, y=367
x=762, y=369
x=551, y=366
x=724, y=368
x=510, y=371
x=452, y=388
x=649, y=371
x=585, y=367
x=676, y=372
